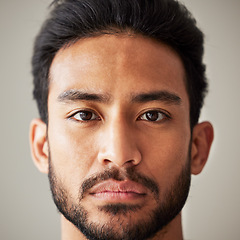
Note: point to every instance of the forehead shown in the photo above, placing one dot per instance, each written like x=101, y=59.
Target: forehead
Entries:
x=118, y=65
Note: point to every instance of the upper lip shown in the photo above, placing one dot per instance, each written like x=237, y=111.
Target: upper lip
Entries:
x=125, y=186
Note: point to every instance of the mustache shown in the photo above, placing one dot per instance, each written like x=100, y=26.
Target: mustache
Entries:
x=119, y=175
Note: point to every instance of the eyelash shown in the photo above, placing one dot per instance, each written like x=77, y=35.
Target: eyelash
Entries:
x=165, y=116
x=86, y=112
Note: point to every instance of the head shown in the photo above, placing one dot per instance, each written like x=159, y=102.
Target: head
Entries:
x=119, y=87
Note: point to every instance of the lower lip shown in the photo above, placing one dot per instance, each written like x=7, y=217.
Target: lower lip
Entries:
x=118, y=196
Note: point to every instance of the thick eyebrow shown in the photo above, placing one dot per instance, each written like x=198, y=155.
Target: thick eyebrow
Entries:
x=163, y=96
x=73, y=95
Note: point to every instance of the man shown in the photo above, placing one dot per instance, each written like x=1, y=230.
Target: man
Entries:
x=119, y=87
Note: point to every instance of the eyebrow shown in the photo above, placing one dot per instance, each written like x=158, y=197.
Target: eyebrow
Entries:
x=163, y=96
x=73, y=95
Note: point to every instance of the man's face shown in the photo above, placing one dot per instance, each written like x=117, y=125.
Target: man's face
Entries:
x=119, y=135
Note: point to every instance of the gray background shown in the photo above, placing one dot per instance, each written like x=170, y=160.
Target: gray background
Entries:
x=26, y=208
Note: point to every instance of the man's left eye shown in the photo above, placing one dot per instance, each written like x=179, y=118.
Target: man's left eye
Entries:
x=153, y=116
x=84, y=116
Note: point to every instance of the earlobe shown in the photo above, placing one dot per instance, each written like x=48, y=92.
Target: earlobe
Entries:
x=202, y=138
x=39, y=144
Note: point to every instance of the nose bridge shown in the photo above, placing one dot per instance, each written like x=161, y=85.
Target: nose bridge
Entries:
x=119, y=145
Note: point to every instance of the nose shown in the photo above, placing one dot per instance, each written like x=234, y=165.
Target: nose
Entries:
x=118, y=145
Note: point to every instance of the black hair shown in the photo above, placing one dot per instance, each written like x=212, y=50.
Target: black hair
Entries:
x=166, y=21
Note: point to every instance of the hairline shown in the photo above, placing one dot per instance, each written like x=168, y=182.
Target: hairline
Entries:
x=126, y=32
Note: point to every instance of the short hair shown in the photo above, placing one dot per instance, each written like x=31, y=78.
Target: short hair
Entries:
x=166, y=21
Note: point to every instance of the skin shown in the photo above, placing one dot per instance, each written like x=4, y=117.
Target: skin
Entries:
x=119, y=134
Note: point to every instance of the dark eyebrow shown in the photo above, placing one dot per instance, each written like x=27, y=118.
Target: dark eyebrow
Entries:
x=78, y=95
x=163, y=96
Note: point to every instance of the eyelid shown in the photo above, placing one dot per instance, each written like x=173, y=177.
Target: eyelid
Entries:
x=98, y=116
x=164, y=112
x=72, y=114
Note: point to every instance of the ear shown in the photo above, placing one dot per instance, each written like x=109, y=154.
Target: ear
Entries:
x=202, y=138
x=39, y=144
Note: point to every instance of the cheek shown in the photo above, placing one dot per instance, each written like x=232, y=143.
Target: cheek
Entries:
x=72, y=154
x=165, y=155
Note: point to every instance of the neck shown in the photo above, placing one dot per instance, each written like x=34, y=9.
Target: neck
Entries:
x=173, y=231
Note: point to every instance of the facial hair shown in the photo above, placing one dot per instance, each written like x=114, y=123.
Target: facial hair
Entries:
x=168, y=206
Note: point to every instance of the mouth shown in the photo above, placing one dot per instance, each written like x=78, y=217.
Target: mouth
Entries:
x=112, y=191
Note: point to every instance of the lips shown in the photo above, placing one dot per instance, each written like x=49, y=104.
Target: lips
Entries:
x=118, y=191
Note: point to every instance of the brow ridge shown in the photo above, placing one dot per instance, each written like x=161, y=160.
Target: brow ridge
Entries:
x=163, y=96
x=78, y=95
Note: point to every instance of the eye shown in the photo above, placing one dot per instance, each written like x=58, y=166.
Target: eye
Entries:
x=84, y=116
x=153, y=116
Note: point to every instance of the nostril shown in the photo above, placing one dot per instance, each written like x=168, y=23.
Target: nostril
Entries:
x=126, y=163
x=107, y=161
x=129, y=163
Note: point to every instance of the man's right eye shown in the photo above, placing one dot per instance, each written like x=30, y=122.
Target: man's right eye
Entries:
x=84, y=116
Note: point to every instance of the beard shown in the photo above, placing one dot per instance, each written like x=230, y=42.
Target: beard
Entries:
x=168, y=206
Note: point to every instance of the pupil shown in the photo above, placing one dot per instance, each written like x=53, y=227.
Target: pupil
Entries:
x=85, y=115
x=152, y=116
